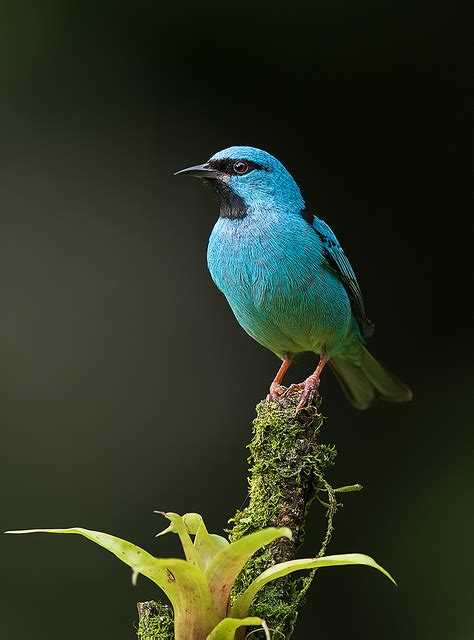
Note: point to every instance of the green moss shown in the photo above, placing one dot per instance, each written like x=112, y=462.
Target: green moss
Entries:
x=156, y=621
x=281, y=450
x=286, y=466
x=278, y=604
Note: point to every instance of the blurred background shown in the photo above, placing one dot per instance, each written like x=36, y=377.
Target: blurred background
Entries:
x=126, y=384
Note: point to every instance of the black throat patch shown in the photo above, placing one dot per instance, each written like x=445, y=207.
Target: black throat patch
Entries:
x=231, y=205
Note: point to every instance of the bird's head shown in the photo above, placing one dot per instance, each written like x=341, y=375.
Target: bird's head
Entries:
x=246, y=179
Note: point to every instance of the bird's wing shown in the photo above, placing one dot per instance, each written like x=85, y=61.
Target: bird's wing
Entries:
x=339, y=262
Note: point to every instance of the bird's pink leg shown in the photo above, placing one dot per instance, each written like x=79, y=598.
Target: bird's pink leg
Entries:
x=310, y=385
x=276, y=389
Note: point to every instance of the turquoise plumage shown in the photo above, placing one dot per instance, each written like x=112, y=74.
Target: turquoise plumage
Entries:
x=287, y=279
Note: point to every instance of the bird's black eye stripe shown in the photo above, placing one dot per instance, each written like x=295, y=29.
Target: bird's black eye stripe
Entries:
x=226, y=165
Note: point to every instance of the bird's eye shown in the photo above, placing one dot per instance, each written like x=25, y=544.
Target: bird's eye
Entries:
x=240, y=167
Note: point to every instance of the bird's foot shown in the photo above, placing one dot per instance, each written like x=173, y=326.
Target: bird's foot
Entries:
x=275, y=392
x=311, y=385
x=308, y=387
x=296, y=386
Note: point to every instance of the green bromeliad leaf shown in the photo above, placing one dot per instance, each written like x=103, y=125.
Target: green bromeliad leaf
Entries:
x=243, y=602
x=178, y=526
x=228, y=563
x=222, y=561
x=199, y=587
x=138, y=559
x=207, y=544
x=184, y=583
x=226, y=628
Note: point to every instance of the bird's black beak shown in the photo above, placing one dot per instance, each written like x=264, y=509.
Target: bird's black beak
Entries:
x=200, y=171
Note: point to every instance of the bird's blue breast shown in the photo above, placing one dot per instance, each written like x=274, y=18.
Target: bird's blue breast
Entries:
x=272, y=271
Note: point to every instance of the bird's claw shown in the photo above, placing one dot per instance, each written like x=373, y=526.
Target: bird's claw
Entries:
x=296, y=386
x=275, y=392
x=309, y=386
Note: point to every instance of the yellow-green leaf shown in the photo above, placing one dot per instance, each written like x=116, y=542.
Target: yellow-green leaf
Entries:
x=178, y=526
x=224, y=568
x=207, y=544
x=184, y=583
x=226, y=629
x=243, y=602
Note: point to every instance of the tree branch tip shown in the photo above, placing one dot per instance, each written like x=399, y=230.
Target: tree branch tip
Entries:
x=349, y=488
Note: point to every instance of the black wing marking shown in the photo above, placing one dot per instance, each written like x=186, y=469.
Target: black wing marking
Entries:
x=338, y=260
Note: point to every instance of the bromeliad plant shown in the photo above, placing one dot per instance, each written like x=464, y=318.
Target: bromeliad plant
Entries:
x=199, y=587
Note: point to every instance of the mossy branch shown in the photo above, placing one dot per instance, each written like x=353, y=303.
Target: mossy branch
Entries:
x=287, y=465
x=155, y=621
x=286, y=473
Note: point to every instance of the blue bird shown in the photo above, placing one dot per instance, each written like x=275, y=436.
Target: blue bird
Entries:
x=287, y=279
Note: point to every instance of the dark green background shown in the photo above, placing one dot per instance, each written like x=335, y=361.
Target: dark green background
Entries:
x=126, y=384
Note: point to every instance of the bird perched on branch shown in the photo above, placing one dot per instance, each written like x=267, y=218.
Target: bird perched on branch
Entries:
x=287, y=279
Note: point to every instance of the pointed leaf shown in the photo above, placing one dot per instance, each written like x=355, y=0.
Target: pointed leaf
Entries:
x=226, y=628
x=185, y=584
x=228, y=563
x=207, y=544
x=135, y=557
x=243, y=602
x=170, y=529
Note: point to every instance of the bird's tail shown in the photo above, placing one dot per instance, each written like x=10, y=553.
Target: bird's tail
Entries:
x=364, y=384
